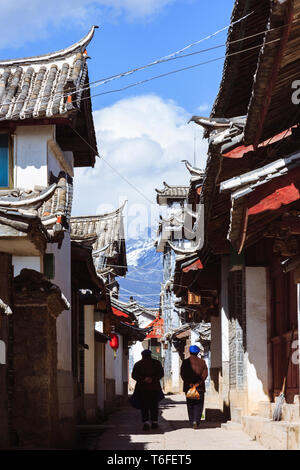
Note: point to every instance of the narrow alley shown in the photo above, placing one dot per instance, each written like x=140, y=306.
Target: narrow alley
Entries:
x=150, y=227
x=124, y=432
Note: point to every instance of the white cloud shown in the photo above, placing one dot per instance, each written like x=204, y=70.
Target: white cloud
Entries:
x=204, y=107
x=22, y=20
x=144, y=139
x=137, y=8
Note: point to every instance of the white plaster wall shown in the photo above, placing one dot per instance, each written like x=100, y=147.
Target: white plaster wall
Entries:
x=224, y=309
x=32, y=166
x=29, y=262
x=257, y=338
x=62, y=261
x=135, y=355
x=114, y=367
x=30, y=155
x=194, y=338
x=100, y=347
x=54, y=166
x=89, y=354
x=99, y=326
x=175, y=370
x=125, y=369
x=135, y=351
x=119, y=368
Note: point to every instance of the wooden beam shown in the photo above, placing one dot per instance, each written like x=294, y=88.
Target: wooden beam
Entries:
x=240, y=151
x=243, y=232
x=273, y=195
x=194, y=266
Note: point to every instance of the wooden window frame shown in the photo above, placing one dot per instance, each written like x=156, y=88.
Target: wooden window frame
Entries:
x=10, y=161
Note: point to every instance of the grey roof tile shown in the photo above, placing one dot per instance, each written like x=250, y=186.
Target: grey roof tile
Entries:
x=44, y=86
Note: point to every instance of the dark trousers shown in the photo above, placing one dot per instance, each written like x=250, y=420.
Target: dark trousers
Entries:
x=149, y=405
x=195, y=408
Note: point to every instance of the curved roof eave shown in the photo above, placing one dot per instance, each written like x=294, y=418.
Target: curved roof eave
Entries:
x=82, y=43
x=100, y=216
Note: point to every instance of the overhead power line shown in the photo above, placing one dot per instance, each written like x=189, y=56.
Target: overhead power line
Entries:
x=173, y=56
x=114, y=169
x=170, y=56
x=141, y=82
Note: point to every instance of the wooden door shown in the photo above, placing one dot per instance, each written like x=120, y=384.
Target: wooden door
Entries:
x=283, y=317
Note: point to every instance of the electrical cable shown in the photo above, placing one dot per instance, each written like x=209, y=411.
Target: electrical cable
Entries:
x=141, y=82
x=168, y=58
x=116, y=171
x=172, y=56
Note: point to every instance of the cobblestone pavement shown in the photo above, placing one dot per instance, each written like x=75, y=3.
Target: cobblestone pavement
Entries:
x=124, y=432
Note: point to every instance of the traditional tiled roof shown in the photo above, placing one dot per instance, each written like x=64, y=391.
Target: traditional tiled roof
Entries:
x=246, y=184
x=106, y=235
x=47, y=210
x=227, y=132
x=127, y=319
x=133, y=308
x=157, y=326
x=44, y=86
x=58, y=208
x=134, y=333
x=175, y=193
x=239, y=68
x=196, y=173
x=83, y=272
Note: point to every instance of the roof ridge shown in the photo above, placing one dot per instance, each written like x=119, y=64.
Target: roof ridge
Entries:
x=107, y=214
x=82, y=43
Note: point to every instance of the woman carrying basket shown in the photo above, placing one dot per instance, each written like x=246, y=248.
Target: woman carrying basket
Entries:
x=193, y=373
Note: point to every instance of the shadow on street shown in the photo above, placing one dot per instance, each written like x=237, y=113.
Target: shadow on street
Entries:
x=124, y=429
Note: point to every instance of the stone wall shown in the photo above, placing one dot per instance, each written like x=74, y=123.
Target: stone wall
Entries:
x=35, y=415
x=35, y=410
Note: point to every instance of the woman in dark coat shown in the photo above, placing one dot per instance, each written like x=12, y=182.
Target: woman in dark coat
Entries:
x=147, y=372
x=194, y=371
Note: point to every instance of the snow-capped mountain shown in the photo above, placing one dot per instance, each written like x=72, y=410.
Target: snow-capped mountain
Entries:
x=144, y=274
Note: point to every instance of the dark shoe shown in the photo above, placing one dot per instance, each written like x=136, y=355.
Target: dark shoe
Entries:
x=154, y=425
x=195, y=425
x=146, y=427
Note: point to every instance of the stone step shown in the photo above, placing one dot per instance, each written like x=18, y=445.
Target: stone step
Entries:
x=275, y=435
x=231, y=426
x=236, y=415
x=290, y=411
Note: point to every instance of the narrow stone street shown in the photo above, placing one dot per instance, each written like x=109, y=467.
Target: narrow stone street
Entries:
x=124, y=432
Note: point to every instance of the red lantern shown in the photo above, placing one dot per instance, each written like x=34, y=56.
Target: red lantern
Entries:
x=114, y=343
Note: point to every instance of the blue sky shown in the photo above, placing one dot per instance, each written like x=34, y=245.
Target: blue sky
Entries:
x=143, y=131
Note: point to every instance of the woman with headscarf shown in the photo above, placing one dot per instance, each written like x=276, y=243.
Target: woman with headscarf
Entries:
x=194, y=372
